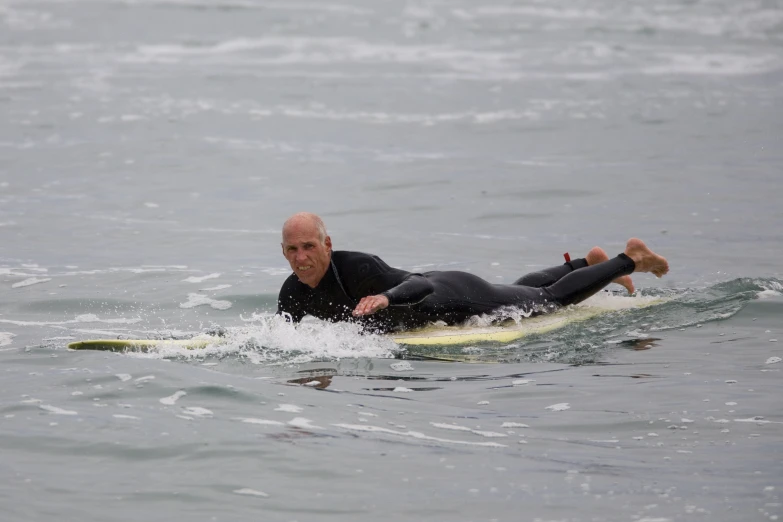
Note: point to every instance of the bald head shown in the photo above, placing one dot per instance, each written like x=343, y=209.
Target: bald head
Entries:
x=306, y=220
x=307, y=247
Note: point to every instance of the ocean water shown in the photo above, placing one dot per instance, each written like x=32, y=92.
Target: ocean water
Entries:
x=151, y=149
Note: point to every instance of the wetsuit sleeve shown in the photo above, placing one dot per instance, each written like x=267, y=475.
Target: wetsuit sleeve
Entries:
x=366, y=274
x=289, y=302
x=411, y=291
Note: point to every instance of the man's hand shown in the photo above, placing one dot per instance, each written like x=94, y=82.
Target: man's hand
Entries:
x=370, y=304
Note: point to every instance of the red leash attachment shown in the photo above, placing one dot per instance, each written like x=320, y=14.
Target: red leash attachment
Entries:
x=567, y=257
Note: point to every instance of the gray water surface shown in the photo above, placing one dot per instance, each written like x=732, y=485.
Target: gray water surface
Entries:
x=151, y=149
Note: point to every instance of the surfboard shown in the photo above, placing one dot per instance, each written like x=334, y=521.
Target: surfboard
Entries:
x=428, y=338
x=142, y=345
x=506, y=333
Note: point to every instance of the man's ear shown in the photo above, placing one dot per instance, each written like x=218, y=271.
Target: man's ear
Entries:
x=328, y=243
x=282, y=247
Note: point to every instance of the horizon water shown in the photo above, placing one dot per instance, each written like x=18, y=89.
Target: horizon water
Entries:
x=150, y=151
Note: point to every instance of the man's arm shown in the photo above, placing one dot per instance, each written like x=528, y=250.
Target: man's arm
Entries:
x=376, y=285
x=411, y=291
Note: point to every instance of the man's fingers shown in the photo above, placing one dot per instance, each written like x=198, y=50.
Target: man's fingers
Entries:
x=363, y=308
x=370, y=305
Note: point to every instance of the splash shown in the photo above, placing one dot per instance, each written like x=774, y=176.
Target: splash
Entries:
x=31, y=281
x=604, y=301
x=270, y=339
x=769, y=288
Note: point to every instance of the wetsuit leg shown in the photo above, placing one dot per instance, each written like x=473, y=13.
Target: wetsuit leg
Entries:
x=581, y=284
x=460, y=295
x=550, y=276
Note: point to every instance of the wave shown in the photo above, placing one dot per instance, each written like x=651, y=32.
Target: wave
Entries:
x=267, y=339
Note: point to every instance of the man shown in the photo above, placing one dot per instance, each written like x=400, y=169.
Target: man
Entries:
x=346, y=286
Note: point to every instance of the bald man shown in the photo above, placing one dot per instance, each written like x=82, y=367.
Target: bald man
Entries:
x=339, y=285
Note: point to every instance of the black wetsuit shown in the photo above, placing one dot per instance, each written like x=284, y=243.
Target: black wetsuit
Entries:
x=449, y=296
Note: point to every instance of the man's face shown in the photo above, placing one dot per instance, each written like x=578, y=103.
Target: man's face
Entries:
x=307, y=255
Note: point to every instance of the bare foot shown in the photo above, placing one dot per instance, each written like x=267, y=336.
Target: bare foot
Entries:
x=646, y=260
x=598, y=255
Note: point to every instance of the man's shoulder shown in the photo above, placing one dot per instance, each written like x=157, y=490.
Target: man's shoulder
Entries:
x=349, y=255
x=358, y=261
x=291, y=284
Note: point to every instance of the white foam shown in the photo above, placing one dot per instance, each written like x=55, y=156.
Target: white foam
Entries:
x=195, y=300
x=562, y=406
x=172, y=399
x=6, y=338
x=30, y=20
x=103, y=333
x=514, y=425
x=457, y=427
x=557, y=13
x=403, y=366
x=771, y=289
x=758, y=420
x=197, y=411
x=402, y=389
x=250, y=492
x=263, y=422
x=123, y=376
x=302, y=423
x=290, y=50
x=31, y=281
x=84, y=318
x=57, y=411
x=289, y=408
x=384, y=118
x=263, y=5
x=490, y=434
x=194, y=279
x=713, y=64
x=269, y=339
x=610, y=301
x=129, y=417
x=771, y=360
x=215, y=288
x=454, y=427
x=414, y=435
